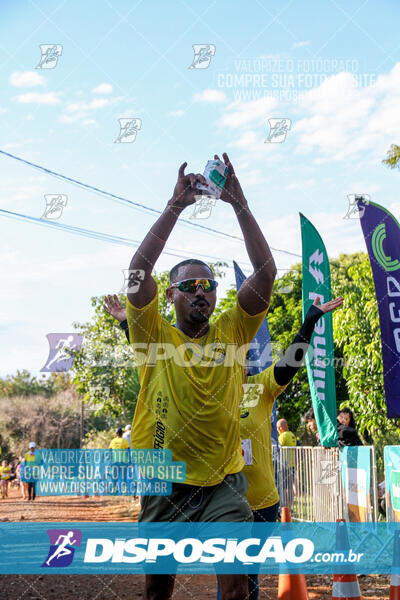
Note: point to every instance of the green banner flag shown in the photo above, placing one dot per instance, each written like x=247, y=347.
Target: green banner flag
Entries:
x=320, y=364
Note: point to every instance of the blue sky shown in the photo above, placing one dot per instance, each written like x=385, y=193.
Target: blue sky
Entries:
x=131, y=59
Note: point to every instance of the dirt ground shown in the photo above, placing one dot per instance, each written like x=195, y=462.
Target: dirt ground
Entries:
x=119, y=587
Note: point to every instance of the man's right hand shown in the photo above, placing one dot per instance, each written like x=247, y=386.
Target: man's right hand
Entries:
x=113, y=306
x=185, y=189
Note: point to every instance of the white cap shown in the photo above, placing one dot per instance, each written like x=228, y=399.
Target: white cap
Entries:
x=32, y=445
x=128, y=427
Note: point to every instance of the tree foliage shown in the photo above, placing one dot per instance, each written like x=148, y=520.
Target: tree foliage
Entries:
x=357, y=346
x=392, y=159
x=25, y=384
x=357, y=333
x=52, y=422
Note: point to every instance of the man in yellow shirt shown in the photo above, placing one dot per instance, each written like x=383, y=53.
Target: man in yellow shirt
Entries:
x=119, y=443
x=30, y=457
x=191, y=373
x=286, y=437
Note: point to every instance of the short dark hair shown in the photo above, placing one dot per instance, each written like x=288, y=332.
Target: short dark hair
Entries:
x=190, y=261
x=309, y=416
x=119, y=431
x=349, y=412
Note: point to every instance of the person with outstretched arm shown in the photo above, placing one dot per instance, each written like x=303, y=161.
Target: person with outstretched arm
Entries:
x=255, y=422
x=190, y=382
x=255, y=415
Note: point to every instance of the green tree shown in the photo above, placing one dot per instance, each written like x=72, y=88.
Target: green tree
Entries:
x=52, y=422
x=285, y=319
x=25, y=384
x=392, y=159
x=357, y=332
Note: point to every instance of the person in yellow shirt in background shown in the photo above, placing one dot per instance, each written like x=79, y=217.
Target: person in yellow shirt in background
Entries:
x=5, y=473
x=30, y=457
x=119, y=443
x=286, y=437
x=255, y=422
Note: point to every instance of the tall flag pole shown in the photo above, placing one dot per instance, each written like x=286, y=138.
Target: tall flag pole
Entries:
x=382, y=237
x=320, y=365
x=261, y=340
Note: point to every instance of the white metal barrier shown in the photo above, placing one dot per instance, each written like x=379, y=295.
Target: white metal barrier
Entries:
x=309, y=482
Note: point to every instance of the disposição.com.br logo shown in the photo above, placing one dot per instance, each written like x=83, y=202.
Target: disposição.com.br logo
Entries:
x=62, y=547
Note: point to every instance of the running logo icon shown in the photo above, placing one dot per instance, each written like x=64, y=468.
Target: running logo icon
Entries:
x=62, y=349
x=278, y=129
x=132, y=281
x=62, y=550
x=354, y=210
x=202, y=56
x=55, y=204
x=128, y=130
x=328, y=472
x=203, y=208
x=50, y=55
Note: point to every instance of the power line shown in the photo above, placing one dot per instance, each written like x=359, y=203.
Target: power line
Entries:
x=105, y=237
x=135, y=205
x=90, y=233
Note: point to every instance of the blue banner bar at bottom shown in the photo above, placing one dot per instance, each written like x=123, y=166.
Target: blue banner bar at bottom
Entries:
x=268, y=548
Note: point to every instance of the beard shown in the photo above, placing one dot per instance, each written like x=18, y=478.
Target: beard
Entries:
x=198, y=317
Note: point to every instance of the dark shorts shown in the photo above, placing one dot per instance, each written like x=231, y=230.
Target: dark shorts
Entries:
x=225, y=501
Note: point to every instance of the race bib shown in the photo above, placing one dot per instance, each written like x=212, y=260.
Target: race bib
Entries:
x=246, y=452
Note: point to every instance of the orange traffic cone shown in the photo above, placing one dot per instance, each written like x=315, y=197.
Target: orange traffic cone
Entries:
x=291, y=586
x=395, y=580
x=345, y=587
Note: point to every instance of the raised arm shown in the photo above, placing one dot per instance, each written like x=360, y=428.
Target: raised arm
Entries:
x=286, y=368
x=113, y=307
x=255, y=294
x=153, y=244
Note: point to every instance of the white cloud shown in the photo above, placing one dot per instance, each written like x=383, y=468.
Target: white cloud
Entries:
x=39, y=98
x=93, y=105
x=243, y=113
x=26, y=79
x=301, y=184
x=89, y=122
x=301, y=44
x=248, y=139
x=177, y=113
x=343, y=120
x=103, y=88
x=68, y=119
x=210, y=96
x=251, y=177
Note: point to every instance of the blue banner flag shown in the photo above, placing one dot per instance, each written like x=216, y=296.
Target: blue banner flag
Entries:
x=257, y=353
x=382, y=237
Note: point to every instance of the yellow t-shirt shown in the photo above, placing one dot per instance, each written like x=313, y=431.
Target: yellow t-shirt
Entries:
x=119, y=443
x=255, y=432
x=5, y=473
x=189, y=402
x=287, y=438
x=30, y=457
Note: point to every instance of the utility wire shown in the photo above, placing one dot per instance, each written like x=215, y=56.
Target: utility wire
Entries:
x=135, y=205
x=105, y=237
